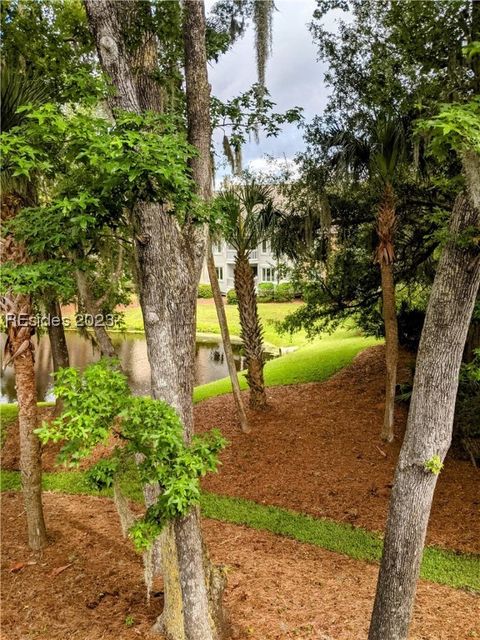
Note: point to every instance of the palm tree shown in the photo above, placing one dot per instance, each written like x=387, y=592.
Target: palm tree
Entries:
x=17, y=90
x=249, y=218
x=377, y=155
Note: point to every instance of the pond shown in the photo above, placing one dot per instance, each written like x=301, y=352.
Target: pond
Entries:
x=210, y=363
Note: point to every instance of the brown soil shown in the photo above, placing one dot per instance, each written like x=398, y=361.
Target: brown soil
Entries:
x=317, y=450
x=88, y=584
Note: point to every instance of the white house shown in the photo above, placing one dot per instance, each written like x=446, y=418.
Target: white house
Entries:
x=262, y=260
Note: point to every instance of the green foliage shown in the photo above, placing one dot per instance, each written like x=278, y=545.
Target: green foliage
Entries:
x=456, y=127
x=284, y=292
x=52, y=40
x=266, y=292
x=270, y=292
x=245, y=215
x=98, y=405
x=232, y=297
x=38, y=278
x=205, y=291
x=434, y=465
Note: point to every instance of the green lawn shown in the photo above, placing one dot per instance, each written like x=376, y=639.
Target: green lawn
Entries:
x=458, y=570
x=312, y=363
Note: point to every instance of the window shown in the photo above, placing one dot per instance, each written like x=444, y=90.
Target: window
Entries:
x=268, y=274
x=219, y=271
x=265, y=246
x=218, y=247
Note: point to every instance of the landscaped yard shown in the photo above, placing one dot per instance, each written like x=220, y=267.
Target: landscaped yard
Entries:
x=270, y=313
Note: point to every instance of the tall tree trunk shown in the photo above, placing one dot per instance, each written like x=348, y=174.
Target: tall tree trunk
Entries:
x=251, y=330
x=391, y=349
x=91, y=307
x=430, y=420
x=227, y=345
x=385, y=256
x=20, y=351
x=169, y=259
x=58, y=342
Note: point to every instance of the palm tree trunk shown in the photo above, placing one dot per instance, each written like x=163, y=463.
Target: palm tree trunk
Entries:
x=30, y=450
x=227, y=345
x=251, y=330
x=429, y=428
x=19, y=349
x=391, y=349
x=58, y=343
x=385, y=256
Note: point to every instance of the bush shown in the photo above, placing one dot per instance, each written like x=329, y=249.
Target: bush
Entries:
x=266, y=292
x=232, y=297
x=205, y=291
x=284, y=292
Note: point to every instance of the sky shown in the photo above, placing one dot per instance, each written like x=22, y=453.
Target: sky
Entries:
x=294, y=77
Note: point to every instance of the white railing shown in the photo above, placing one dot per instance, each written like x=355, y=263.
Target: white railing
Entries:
x=253, y=255
x=231, y=254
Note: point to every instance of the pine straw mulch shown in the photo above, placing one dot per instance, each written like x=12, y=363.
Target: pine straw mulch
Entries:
x=87, y=584
x=317, y=450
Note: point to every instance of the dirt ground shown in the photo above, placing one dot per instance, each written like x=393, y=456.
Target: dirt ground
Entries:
x=87, y=584
x=317, y=450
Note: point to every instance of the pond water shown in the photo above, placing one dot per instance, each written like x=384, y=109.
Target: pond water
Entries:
x=210, y=363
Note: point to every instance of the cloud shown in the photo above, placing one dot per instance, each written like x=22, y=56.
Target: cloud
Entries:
x=294, y=76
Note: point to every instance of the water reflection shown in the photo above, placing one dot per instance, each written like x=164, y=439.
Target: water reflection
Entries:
x=210, y=363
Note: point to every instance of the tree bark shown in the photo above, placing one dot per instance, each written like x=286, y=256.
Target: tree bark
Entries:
x=430, y=420
x=385, y=255
x=251, y=330
x=391, y=349
x=102, y=338
x=168, y=260
x=227, y=345
x=20, y=350
x=58, y=343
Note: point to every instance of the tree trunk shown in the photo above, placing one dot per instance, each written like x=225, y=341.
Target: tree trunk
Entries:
x=227, y=345
x=385, y=256
x=168, y=260
x=251, y=330
x=391, y=349
x=104, y=342
x=430, y=420
x=19, y=349
x=58, y=343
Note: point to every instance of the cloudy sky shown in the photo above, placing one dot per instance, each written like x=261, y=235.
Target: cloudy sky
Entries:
x=294, y=77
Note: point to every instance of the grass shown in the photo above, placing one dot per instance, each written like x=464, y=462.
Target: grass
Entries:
x=313, y=363
x=207, y=323
x=457, y=570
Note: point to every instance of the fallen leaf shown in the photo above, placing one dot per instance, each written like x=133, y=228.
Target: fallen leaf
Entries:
x=59, y=570
x=18, y=566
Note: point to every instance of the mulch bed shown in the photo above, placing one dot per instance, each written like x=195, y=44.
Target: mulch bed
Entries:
x=87, y=584
x=317, y=450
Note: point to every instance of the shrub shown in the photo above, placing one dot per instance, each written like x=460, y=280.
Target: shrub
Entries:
x=284, y=292
x=266, y=292
x=205, y=291
x=232, y=297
